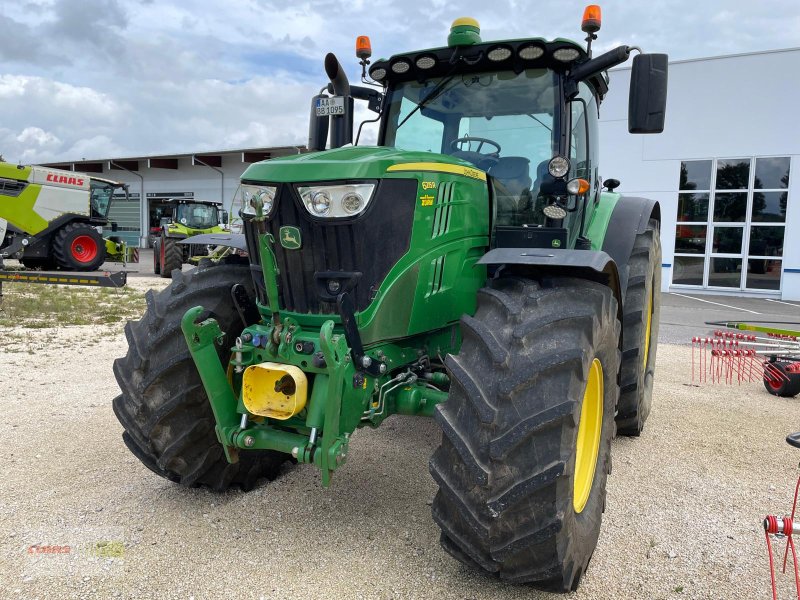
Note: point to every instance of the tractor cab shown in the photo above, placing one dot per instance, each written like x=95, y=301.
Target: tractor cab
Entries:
x=525, y=112
x=185, y=216
x=101, y=194
x=198, y=216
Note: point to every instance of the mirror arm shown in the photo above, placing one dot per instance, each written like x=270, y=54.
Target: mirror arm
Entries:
x=605, y=61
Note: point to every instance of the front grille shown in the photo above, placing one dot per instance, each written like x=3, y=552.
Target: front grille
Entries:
x=370, y=244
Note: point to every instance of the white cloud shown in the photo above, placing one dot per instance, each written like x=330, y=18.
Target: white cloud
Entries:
x=38, y=137
x=127, y=77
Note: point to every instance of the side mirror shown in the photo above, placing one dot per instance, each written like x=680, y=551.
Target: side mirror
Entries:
x=224, y=217
x=317, y=127
x=647, y=102
x=114, y=226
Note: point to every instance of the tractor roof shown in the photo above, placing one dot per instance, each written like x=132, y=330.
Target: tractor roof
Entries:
x=515, y=55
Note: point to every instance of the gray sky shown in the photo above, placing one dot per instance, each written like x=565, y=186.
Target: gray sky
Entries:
x=97, y=78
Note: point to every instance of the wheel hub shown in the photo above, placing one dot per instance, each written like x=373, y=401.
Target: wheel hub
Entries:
x=84, y=249
x=648, y=326
x=588, y=443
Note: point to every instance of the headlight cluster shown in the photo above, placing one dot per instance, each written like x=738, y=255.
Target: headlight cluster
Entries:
x=526, y=52
x=336, y=201
x=257, y=200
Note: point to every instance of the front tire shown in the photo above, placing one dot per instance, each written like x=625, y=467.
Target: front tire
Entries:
x=640, y=319
x=157, y=257
x=514, y=498
x=78, y=247
x=171, y=257
x=163, y=408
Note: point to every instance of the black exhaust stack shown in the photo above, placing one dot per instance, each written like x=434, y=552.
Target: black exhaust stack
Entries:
x=341, y=125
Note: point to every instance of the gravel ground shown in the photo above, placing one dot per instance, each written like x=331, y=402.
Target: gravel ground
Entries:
x=685, y=500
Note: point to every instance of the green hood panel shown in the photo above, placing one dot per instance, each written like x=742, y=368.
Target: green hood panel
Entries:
x=9, y=171
x=352, y=162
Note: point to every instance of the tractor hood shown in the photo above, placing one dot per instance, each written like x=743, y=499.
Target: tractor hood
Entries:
x=351, y=162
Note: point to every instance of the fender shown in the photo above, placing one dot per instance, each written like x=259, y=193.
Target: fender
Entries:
x=584, y=264
x=628, y=219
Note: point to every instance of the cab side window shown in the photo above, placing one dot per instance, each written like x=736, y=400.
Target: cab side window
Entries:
x=583, y=135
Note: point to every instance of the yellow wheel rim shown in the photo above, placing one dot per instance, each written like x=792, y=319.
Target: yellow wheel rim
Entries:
x=648, y=326
x=588, y=446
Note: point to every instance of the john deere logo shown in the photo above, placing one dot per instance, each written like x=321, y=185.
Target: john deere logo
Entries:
x=290, y=237
x=556, y=243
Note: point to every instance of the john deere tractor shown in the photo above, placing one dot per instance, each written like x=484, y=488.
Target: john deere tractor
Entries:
x=50, y=219
x=468, y=268
x=179, y=221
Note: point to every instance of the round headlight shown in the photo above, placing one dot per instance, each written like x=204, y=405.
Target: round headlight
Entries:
x=498, y=54
x=558, y=166
x=352, y=202
x=530, y=52
x=554, y=211
x=378, y=73
x=426, y=62
x=267, y=197
x=566, y=54
x=401, y=66
x=321, y=203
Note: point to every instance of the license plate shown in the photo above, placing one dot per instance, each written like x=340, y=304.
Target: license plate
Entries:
x=330, y=106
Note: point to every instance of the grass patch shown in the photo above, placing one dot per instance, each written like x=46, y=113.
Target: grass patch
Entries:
x=35, y=306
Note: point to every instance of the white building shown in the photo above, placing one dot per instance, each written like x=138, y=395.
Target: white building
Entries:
x=726, y=171
x=210, y=176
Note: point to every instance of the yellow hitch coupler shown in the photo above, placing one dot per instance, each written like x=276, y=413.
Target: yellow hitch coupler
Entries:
x=274, y=390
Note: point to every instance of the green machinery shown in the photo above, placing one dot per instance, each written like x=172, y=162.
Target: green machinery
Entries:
x=50, y=219
x=179, y=221
x=469, y=267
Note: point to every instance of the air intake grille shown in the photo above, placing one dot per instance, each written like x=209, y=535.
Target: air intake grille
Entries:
x=370, y=244
x=12, y=187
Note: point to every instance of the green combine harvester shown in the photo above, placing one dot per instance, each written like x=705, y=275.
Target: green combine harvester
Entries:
x=182, y=221
x=51, y=219
x=469, y=268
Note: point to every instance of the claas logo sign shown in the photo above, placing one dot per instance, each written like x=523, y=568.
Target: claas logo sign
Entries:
x=56, y=178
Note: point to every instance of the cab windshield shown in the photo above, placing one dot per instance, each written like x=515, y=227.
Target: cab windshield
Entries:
x=502, y=122
x=100, y=197
x=197, y=216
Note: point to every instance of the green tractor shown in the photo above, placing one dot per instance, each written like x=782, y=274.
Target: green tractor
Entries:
x=469, y=268
x=180, y=220
x=51, y=219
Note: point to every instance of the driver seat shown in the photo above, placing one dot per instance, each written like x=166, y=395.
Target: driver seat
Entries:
x=513, y=187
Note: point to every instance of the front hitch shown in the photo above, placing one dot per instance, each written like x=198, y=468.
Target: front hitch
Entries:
x=234, y=428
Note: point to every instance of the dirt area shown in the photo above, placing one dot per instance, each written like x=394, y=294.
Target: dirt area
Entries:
x=683, y=519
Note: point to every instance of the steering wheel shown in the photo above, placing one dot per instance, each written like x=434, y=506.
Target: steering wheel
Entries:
x=454, y=145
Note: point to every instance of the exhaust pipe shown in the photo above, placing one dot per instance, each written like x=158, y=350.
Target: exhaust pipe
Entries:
x=341, y=125
x=335, y=72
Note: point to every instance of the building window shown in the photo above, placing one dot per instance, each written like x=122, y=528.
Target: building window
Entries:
x=731, y=220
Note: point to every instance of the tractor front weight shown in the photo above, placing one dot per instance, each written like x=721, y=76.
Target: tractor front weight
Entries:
x=299, y=392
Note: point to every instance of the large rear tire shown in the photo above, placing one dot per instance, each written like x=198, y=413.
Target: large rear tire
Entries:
x=171, y=257
x=640, y=317
x=537, y=370
x=163, y=407
x=78, y=247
